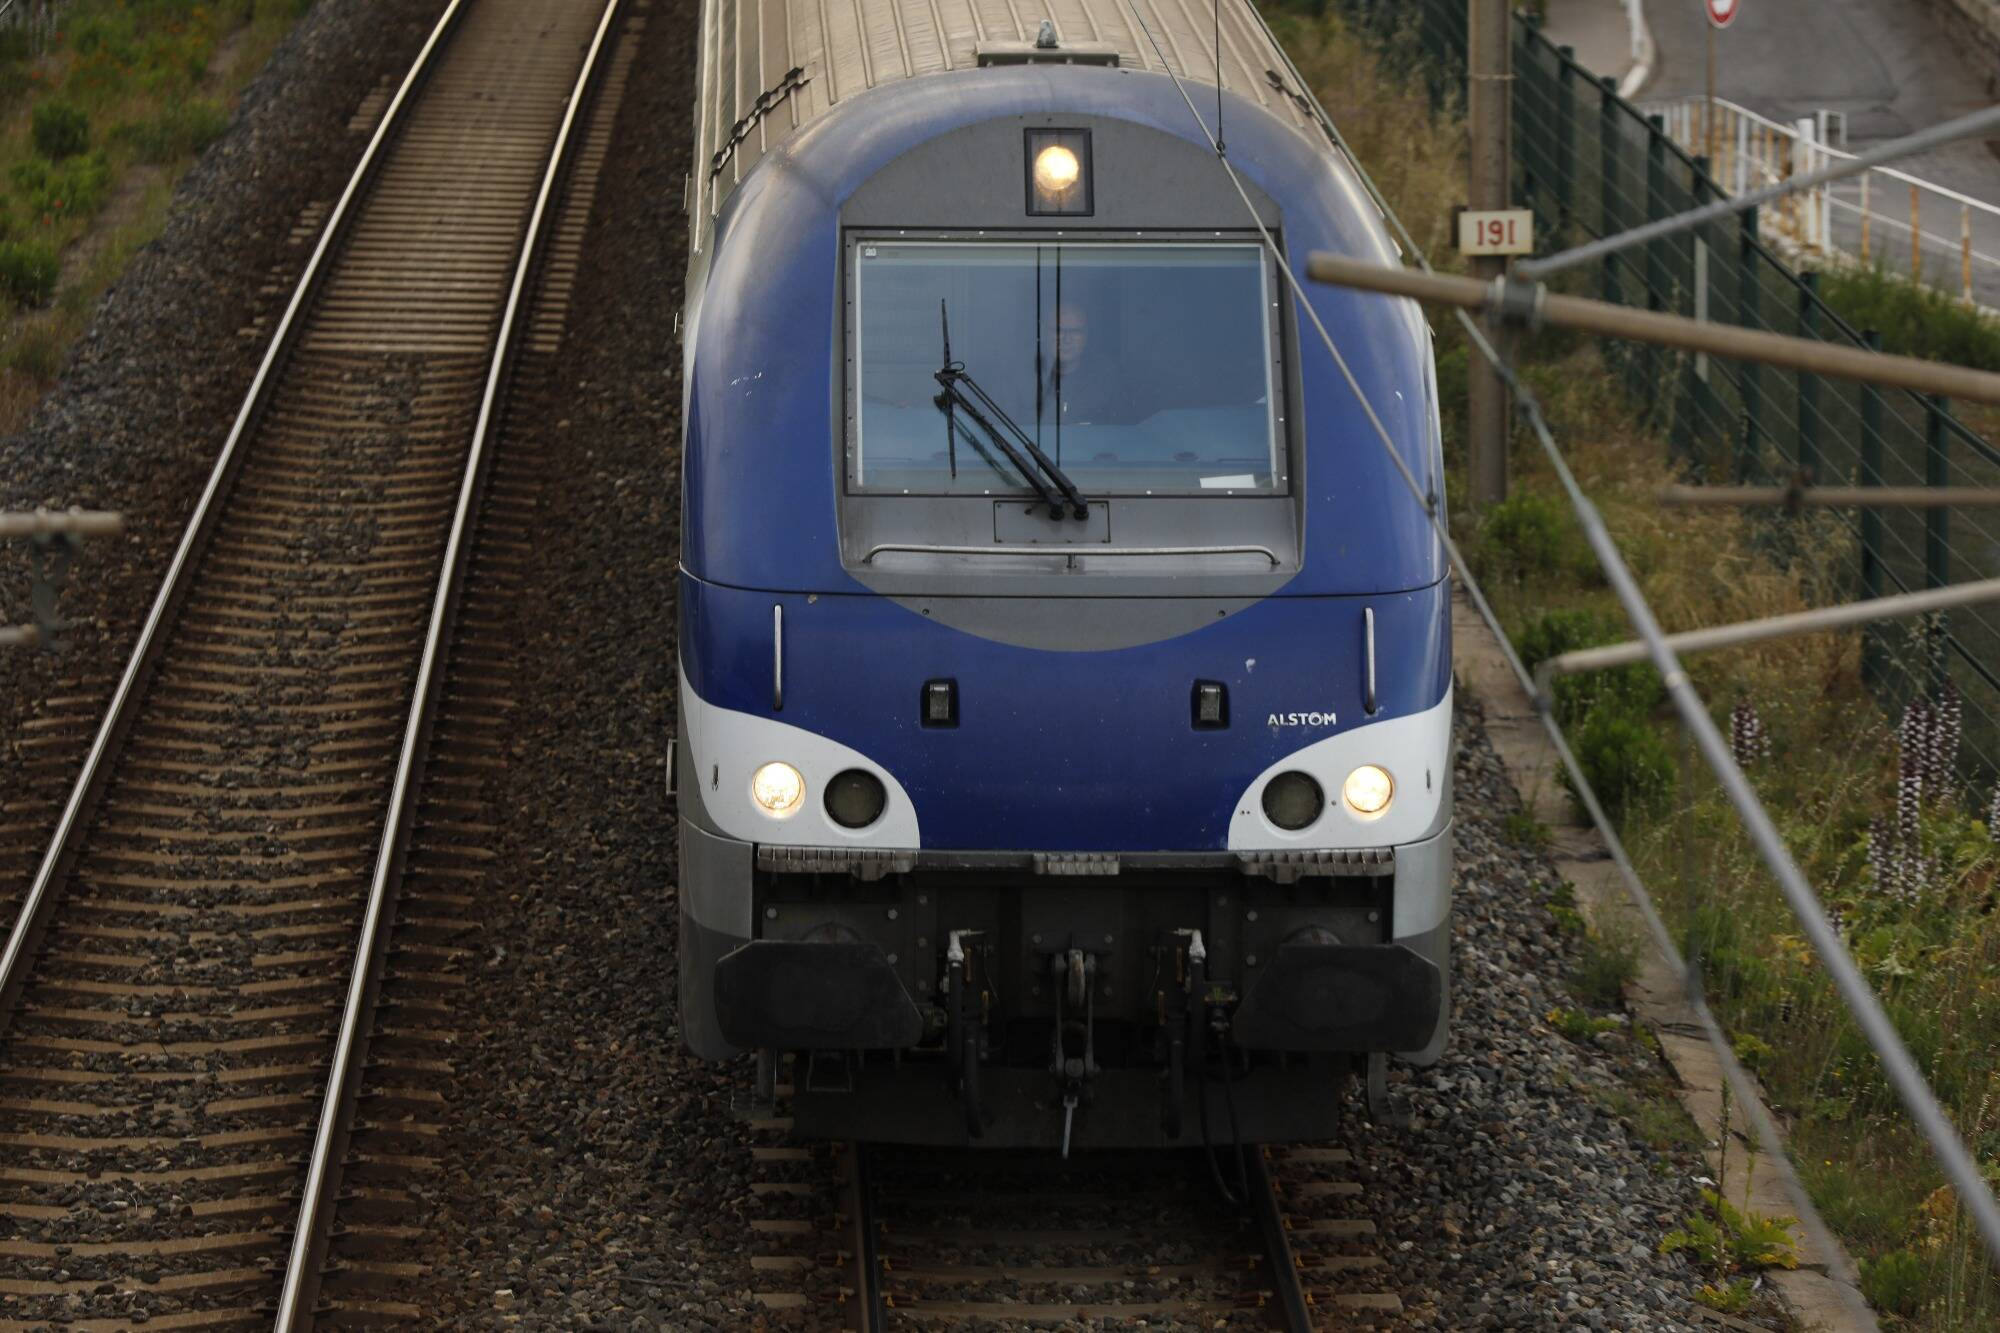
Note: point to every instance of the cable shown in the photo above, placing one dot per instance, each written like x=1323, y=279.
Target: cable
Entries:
x=1910, y=1086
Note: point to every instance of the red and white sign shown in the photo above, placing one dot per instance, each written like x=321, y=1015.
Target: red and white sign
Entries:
x=1500, y=231
x=1722, y=13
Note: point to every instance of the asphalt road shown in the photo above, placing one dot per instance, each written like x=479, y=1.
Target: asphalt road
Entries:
x=1887, y=63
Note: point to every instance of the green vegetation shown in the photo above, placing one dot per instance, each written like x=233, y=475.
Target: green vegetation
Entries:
x=1918, y=907
x=1725, y=1240
x=1913, y=319
x=1609, y=964
x=98, y=118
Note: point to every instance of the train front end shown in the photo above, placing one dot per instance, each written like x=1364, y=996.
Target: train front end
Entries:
x=1065, y=728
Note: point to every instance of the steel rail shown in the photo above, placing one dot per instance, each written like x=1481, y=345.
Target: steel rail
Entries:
x=310, y=1232
x=1832, y=497
x=1269, y=1215
x=866, y=1312
x=56, y=863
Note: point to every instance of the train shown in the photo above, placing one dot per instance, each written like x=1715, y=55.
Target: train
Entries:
x=1064, y=740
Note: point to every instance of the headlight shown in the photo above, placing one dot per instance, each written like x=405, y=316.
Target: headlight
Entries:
x=854, y=799
x=1056, y=169
x=1368, y=790
x=1293, y=800
x=778, y=788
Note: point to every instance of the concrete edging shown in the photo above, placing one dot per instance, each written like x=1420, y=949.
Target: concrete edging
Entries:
x=1823, y=1293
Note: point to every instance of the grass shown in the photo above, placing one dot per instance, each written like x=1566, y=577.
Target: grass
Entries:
x=121, y=87
x=1830, y=772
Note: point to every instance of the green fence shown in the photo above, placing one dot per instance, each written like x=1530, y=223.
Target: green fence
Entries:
x=1590, y=164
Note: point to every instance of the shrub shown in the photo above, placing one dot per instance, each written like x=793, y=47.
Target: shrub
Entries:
x=1629, y=689
x=28, y=270
x=37, y=350
x=60, y=130
x=1726, y=1239
x=1532, y=533
x=1914, y=320
x=181, y=129
x=56, y=190
x=1894, y=1284
x=1624, y=760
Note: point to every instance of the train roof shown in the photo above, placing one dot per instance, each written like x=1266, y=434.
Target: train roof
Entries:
x=771, y=67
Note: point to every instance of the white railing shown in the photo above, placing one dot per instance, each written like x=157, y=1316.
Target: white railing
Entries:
x=1880, y=215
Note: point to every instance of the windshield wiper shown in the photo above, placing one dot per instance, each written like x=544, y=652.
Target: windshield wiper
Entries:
x=962, y=392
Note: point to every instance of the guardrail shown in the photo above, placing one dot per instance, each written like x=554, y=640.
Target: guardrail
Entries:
x=1881, y=215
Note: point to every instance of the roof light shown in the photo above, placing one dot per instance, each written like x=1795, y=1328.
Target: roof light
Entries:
x=1059, y=182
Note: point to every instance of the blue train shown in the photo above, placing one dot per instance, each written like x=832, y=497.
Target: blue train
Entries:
x=1065, y=693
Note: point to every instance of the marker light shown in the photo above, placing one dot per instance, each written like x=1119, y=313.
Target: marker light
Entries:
x=778, y=788
x=1058, y=172
x=855, y=798
x=1292, y=800
x=1368, y=790
x=1056, y=169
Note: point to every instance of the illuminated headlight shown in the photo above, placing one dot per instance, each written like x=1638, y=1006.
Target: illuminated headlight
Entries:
x=1056, y=169
x=1059, y=173
x=1368, y=790
x=1293, y=800
x=778, y=788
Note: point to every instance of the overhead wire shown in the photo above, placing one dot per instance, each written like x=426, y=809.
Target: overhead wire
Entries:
x=1974, y=1194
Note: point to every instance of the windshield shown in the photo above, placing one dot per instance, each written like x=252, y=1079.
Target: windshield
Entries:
x=1137, y=369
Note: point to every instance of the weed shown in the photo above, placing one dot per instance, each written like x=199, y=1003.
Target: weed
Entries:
x=1732, y=1297
x=1580, y=1025
x=1609, y=964
x=1724, y=1239
x=1895, y=1282
x=1524, y=830
x=1562, y=908
x=1753, y=1051
x=59, y=130
x=28, y=271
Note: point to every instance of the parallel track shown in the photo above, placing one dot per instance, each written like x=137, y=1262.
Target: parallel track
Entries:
x=191, y=982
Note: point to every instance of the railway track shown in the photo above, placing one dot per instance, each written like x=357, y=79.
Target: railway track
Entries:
x=299, y=741
x=876, y=1238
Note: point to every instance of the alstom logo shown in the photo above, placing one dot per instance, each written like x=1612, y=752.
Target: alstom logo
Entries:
x=1301, y=720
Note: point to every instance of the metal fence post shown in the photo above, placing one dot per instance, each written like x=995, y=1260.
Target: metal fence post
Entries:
x=1607, y=177
x=1871, y=517
x=1656, y=251
x=1565, y=130
x=1749, y=293
x=1808, y=457
x=1937, y=530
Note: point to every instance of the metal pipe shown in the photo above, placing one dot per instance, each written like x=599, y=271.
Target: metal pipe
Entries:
x=1815, y=621
x=69, y=522
x=1617, y=321
x=1963, y=127
x=1831, y=497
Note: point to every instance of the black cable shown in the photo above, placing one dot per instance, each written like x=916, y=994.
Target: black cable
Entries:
x=1238, y=1197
